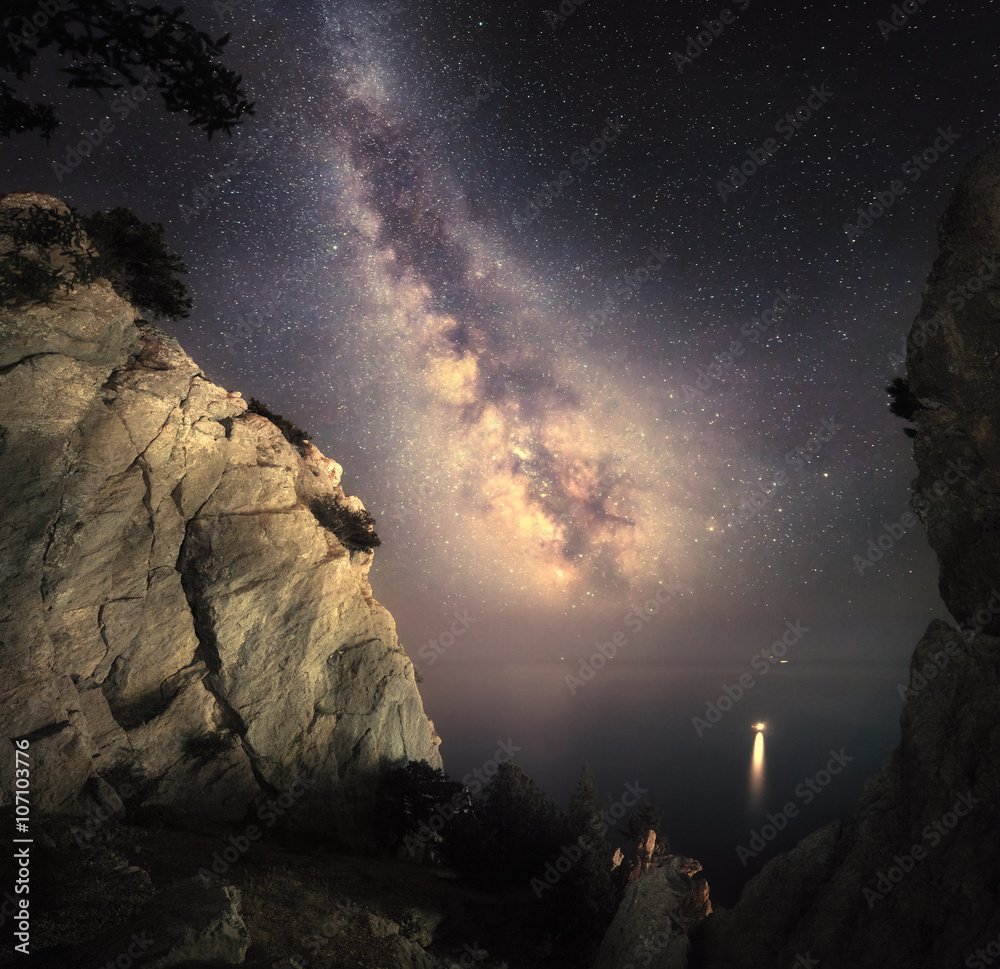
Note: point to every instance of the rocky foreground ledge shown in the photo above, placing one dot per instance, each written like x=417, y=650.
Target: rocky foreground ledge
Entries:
x=177, y=630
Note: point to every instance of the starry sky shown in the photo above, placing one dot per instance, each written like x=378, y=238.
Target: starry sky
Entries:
x=582, y=299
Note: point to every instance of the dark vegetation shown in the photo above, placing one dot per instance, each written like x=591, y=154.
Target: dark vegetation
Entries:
x=109, y=44
x=49, y=253
x=510, y=837
x=355, y=530
x=645, y=818
x=904, y=403
x=293, y=433
x=133, y=257
x=292, y=883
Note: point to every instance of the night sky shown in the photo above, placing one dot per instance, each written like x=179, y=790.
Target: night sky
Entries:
x=488, y=258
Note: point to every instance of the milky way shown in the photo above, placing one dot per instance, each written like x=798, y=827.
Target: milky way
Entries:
x=484, y=258
x=572, y=472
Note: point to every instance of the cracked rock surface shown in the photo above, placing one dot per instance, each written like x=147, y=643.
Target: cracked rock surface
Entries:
x=174, y=622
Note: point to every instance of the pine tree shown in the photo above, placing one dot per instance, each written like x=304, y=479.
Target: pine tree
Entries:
x=645, y=817
x=585, y=817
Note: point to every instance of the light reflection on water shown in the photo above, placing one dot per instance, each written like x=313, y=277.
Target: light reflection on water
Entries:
x=634, y=724
x=757, y=771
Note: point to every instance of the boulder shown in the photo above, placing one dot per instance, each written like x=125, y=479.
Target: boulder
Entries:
x=186, y=923
x=661, y=907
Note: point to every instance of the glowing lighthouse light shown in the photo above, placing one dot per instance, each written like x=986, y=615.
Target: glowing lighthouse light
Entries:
x=757, y=766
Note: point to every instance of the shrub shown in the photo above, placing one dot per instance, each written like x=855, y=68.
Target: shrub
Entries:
x=411, y=796
x=355, y=530
x=47, y=254
x=512, y=832
x=133, y=257
x=512, y=838
x=293, y=434
x=645, y=817
x=207, y=746
x=904, y=403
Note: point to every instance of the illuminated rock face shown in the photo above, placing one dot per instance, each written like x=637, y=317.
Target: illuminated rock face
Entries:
x=912, y=880
x=173, y=618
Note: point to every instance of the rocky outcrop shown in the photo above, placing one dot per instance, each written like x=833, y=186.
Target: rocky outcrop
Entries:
x=663, y=904
x=953, y=362
x=176, y=627
x=912, y=880
x=186, y=924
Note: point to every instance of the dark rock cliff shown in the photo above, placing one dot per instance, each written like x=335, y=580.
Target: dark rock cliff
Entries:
x=953, y=366
x=912, y=880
